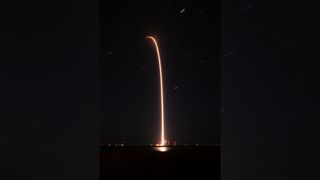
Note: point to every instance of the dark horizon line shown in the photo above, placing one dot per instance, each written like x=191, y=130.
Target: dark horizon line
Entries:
x=148, y=145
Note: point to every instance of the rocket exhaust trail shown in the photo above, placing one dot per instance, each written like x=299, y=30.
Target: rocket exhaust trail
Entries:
x=161, y=90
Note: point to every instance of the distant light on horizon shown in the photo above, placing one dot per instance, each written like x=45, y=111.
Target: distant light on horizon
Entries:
x=162, y=149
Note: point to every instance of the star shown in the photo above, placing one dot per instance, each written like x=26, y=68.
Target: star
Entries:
x=182, y=10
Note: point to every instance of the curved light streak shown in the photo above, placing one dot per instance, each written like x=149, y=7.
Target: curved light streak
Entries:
x=161, y=90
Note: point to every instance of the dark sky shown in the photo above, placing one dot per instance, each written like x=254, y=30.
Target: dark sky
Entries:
x=270, y=90
x=188, y=36
x=49, y=90
x=49, y=75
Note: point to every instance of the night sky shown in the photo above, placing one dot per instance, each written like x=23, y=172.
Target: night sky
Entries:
x=270, y=90
x=189, y=40
x=49, y=90
x=51, y=76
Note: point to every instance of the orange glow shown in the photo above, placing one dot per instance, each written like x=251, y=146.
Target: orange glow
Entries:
x=162, y=149
x=161, y=90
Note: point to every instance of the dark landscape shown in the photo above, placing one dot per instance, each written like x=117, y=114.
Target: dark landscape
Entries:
x=146, y=162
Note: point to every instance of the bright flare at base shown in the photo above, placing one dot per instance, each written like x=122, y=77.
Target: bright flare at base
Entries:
x=161, y=90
